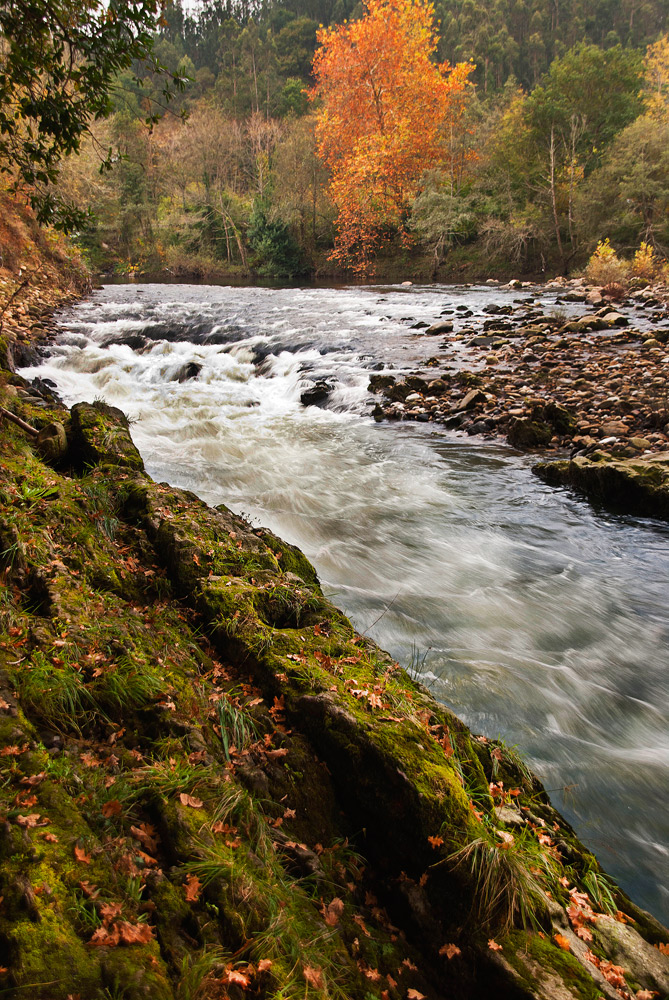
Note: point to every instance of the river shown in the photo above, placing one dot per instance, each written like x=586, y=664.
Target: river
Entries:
x=535, y=617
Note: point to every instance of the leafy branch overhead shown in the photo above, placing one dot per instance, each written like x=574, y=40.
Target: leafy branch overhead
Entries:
x=59, y=61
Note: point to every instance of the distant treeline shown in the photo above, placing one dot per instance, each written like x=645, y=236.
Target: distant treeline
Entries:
x=564, y=140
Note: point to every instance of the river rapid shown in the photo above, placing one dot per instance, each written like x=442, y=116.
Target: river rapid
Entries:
x=533, y=616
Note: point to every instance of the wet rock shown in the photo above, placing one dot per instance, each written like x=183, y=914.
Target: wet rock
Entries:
x=317, y=392
x=378, y=382
x=188, y=371
x=442, y=326
x=472, y=399
x=615, y=319
x=526, y=433
x=638, y=486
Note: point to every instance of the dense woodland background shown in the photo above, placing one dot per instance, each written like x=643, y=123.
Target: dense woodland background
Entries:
x=564, y=141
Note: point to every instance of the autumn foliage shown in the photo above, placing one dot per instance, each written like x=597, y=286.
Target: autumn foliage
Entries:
x=385, y=113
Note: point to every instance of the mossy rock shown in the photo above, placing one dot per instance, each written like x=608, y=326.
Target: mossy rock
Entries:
x=100, y=435
x=634, y=486
x=523, y=432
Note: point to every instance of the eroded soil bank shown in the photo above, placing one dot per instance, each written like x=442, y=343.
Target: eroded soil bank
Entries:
x=213, y=786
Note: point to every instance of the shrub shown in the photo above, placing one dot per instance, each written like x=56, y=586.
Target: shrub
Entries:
x=605, y=267
x=646, y=265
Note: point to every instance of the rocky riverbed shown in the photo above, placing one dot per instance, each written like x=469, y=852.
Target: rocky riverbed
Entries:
x=598, y=382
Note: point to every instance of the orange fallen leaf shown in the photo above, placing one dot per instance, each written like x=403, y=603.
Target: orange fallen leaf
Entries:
x=493, y=946
x=333, y=911
x=134, y=933
x=110, y=911
x=111, y=808
x=190, y=800
x=415, y=995
x=50, y=838
x=193, y=888
x=562, y=942
x=80, y=855
x=34, y=779
x=435, y=841
x=237, y=978
x=449, y=950
x=30, y=820
x=265, y=964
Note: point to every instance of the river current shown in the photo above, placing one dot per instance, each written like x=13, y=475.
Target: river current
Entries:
x=535, y=617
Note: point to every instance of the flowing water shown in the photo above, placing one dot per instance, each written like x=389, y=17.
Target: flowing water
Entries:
x=533, y=616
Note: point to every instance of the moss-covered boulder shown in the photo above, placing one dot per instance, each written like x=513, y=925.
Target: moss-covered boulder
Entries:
x=636, y=485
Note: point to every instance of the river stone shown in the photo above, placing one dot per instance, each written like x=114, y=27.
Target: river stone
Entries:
x=473, y=398
x=52, y=442
x=442, y=326
x=317, y=392
x=377, y=382
x=190, y=370
x=615, y=319
x=526, y=433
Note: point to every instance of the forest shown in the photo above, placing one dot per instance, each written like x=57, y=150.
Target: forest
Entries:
x=552, y=138
x=555, y=139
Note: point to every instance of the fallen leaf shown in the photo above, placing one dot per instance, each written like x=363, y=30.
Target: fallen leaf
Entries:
x=238, y=978
x=313, y=976
x=361, y=924
x=493, y=946
x=265, y=964
x=562, y=942
x=664, y=948
x=111, y=808
x=449, y=950
x=80, y=855
x=51, y=838
x=435, y=841
x=193, y=888
x=190, y=800
x=146, y=834
x=110, y=911
x=409, y=964
x=134, y=933
x=415, y=995
x=30, y=820
x=333, y=911
x=34, y=779
x=645, y=994
x=105, y=937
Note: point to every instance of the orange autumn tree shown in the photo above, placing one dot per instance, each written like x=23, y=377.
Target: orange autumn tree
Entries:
x=385, y=113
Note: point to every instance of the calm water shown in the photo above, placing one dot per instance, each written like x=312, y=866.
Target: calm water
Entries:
x=533, y=616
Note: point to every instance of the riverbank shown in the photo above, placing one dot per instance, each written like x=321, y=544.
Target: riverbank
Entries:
x=213, y=783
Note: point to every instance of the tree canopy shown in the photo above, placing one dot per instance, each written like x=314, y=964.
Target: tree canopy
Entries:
x=384, y=111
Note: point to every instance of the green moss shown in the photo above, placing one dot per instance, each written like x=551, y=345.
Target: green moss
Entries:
x=533, y=956
x=50, y=958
